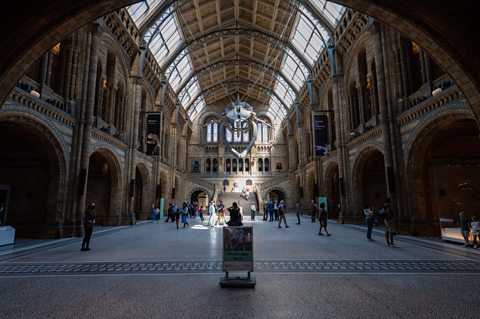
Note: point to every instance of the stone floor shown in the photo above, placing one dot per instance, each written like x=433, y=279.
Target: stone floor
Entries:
x=156, y=271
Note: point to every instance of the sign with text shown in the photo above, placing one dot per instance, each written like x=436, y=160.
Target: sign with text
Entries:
x=153, y=134
x=320, y=128
x=237, y=248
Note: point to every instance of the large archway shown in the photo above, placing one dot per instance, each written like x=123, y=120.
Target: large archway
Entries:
x=445, y=170
x=333, y=190
x=33, y=170
x=369, y=182
x=141, y=204
x=103, y=188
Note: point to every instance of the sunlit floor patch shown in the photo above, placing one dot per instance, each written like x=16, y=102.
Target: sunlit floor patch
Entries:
x=199, y=227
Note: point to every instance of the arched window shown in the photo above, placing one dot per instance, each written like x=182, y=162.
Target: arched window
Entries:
x=247, y=165
x=267, y=165
x=208, y=165
x=260, y=165
x=196, y=167
x=263, y=132
x=214, y=165
x=212, y=132
x=240, y=165
x=234, y=165
x=227, y=166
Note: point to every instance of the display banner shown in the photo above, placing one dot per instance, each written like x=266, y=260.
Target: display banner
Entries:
x=153, y=133
x=237, y=248
x=162, y=207
x=320, y=127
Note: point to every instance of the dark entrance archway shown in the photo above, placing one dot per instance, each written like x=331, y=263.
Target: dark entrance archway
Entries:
x=446, y=172
x=33, y=171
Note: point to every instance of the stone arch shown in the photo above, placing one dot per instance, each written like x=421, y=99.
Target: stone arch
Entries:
x=142, y=192
x=279, y=192
x=437, y=163
x=332, y=187
x=35, y=168
x=196, y=191
x=368, y=180
x=104, y=166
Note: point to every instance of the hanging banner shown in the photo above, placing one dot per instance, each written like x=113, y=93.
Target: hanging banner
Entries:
x=153, y=134
x=237, y=248
x=320, y=128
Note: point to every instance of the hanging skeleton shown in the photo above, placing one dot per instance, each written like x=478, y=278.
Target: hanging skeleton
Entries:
x=242, y=113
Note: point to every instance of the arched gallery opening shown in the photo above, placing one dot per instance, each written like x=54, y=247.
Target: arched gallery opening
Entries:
x=446, y=170
x=31, y=173
x=201, y=198
x=333, y=192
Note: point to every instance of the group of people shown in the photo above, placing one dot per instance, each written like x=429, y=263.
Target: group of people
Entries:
x=385, y=215
x=177, y=214
x=469, y=226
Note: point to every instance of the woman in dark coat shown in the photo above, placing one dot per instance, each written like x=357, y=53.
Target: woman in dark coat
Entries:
x=235, y=217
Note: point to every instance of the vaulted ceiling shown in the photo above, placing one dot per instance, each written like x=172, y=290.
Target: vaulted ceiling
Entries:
x=215, y=52
x=447, y=29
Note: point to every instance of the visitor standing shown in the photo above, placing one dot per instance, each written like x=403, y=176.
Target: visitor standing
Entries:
x=235, y=217
x=212, y=211
x=88, y=222
x=185, y=214
x=313, y=210
x=369, y=219
x=387, y=214
x=474, y=224
x=464, y=228
x=271, y=210
x=298, y=210
x=253, y=211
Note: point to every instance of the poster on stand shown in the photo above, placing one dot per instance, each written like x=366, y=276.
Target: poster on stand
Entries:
x=237, y=248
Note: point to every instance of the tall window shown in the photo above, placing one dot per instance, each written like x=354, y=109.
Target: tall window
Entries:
x=263, y=132
x=208, y=165
x=227, y=166
x=260, y=165
x=266, y=165
x=240, y=165
x=240, y=134
x=212, y=133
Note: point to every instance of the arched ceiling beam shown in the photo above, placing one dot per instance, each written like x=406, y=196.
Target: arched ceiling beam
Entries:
x=246, y=62
x=222, y=85
x=251, y=32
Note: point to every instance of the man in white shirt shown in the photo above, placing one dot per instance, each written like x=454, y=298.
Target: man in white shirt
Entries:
x=212, y=211
x=253, y=211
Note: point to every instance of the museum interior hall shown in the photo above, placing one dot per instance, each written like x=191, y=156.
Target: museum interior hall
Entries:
x=139, y=104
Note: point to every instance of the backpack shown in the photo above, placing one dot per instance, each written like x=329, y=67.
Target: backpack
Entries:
x=383, y=213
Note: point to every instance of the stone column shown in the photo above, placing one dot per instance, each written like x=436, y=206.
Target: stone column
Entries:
x=86, y=118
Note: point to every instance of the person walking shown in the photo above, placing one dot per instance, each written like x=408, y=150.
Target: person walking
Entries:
x=281, y=214
x=177, y=213
x=475, y=225
x=323, y=218
x=313, y=210
x=185, y=214
x=253, y=211
x=298, y=211
x=388, y=219
x=170, y=213
x=220, y=213
x=153, y=214
x=88, y=222
x=464, y=228
x=200, y=213
x=212, y=211
x=369, y=219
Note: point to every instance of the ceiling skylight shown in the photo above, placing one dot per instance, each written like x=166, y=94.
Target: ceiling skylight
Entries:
x=332, y=11
x=309, y=36
x=294, y=69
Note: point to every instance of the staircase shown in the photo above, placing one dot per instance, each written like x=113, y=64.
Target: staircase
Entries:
x=228, y=198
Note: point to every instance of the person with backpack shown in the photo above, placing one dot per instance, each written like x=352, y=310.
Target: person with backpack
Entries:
x=323, y=218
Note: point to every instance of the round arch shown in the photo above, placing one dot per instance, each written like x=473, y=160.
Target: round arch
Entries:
x=443, y=156
x=368, y=180
x=142, y=194
x=34, y=167
x=332, y=186
x=104, y=186
x=276, y=193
